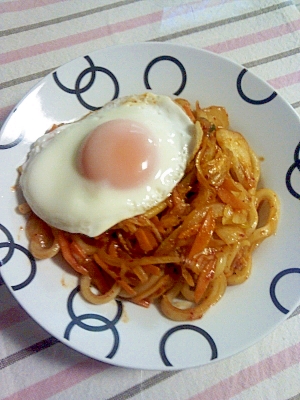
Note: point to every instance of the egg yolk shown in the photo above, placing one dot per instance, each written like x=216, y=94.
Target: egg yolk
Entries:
x=120, y=152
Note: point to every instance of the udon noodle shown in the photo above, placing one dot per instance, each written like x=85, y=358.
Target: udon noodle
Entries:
x=185, y=251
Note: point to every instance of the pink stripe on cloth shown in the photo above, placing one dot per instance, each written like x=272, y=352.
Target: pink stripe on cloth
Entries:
x=285, y=80
x=12, y=316
x=251, y=375
x=256, y=37
x=61, y=381
x=20, y=5
x=102, y=31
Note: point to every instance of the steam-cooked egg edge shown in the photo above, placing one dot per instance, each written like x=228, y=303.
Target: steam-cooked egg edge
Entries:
x=60, y=194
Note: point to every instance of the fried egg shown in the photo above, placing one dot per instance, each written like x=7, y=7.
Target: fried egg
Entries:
x=115, y=163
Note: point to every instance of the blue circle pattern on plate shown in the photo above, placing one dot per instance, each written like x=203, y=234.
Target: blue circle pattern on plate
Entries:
x=111, y=324
x=274, y=282
x=202, y=332
x=293, y=167
x=166, y=58
x=92, y=69
x=107, y=324
x=245, y=97
x=14, y=142
x=12, y=246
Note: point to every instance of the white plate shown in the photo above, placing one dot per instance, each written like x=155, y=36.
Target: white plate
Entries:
x=122, y=333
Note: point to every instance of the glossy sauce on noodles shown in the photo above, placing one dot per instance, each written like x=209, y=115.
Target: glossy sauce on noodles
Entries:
x=185, y=251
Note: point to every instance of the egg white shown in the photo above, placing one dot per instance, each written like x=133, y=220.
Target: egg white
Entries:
x=57, y=192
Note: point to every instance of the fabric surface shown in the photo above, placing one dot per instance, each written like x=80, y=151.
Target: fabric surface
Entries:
x=39, y=36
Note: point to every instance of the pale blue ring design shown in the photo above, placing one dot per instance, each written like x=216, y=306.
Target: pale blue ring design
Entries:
x=166, y=58
x=274, y=282
x=78, y=90
x=12, y=246
x=293, y=167
x=202, y=332
x=14, y=142
x=110, y=324
x=245, y=97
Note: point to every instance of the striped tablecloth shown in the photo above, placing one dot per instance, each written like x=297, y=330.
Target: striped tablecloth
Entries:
x=39, y=35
